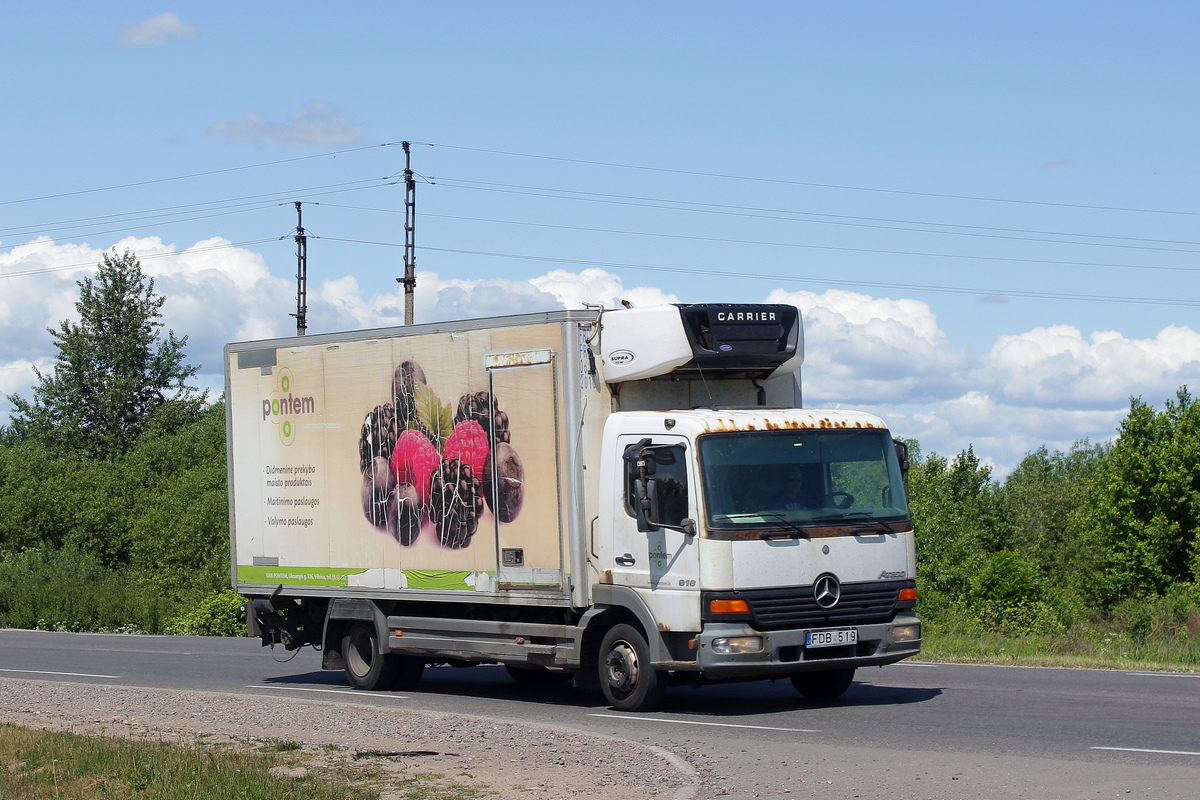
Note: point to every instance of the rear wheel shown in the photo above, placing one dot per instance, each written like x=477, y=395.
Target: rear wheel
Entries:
x=827, y=685
x=409, y=670
x=366, y=667
x=629, y=681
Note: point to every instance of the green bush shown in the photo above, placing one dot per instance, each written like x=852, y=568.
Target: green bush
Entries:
x=218, y=614
x=71, y=590
x=1007, y=579
x=1016, y=618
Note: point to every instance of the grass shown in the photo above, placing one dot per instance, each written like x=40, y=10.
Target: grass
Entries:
x=48, y=765
x=1167, y=642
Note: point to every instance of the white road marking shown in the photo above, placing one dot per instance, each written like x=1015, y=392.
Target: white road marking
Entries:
x=67, y=674
x=330, y=691
x=635, y=718
x=1143, y=750
x=1164, y=674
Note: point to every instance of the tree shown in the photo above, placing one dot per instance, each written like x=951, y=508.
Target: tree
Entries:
x=1042, y=505
x=953, y=506
x=115, y=375
x=1144, y=509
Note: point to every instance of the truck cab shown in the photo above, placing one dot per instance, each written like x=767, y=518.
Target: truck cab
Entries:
x=761, y=543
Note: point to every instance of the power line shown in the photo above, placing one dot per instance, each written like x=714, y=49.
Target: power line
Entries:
x=266, y=200
x=304, y=194
x=834, y=248
x=462, y=185
x=784, y=181
x=792, y=216
x=798, y=279
x=195, y=174
x=838, y=282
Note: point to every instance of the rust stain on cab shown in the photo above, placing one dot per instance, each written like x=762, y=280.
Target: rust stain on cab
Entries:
x=606, y=577
x=722, y=424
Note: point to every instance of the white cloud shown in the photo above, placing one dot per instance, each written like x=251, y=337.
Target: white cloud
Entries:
x=1050, y=385
x=860, y=349
x=573, y=289
x=319, y=124
x=436, y=299
x=156, y=31
x=214, y=293
x=1058, y=366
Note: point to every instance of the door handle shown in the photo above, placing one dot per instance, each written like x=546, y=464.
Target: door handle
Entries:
x=626, y=560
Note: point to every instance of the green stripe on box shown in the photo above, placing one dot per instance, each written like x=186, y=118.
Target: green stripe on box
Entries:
x=455, y=580
x=295, y=576
x=438, y=579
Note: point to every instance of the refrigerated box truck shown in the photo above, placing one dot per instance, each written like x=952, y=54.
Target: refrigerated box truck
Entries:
x=629, y=497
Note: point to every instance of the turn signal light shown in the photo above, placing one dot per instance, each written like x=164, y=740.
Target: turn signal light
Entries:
x=908, y=593
x=729, y=606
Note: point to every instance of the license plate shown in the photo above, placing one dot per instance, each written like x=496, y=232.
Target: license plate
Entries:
x=831, y=637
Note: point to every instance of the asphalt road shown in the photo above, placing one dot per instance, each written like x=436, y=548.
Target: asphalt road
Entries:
x=908, y=730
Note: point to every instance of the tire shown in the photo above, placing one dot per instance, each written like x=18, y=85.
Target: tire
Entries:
x=409, y=670
x=628, y=680
x=827, y=685
x=538, y=676
x=366, y=667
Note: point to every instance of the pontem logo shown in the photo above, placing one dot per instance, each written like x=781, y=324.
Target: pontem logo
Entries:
x=282, y=405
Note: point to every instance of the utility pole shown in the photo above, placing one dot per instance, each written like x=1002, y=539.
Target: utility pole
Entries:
x=410, y=220
x=301, y=274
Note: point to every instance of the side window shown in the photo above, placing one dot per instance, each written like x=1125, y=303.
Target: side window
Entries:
x=671, y=483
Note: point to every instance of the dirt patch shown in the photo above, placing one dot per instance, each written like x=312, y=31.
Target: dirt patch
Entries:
x=512, y=761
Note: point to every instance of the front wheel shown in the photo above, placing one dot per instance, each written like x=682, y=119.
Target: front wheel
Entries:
x=629, y=681
x=828, y=685
x=366, y=667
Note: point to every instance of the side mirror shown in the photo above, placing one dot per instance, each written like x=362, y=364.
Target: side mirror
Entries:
x=648, y=513
x=902, y=455
x=646, y=505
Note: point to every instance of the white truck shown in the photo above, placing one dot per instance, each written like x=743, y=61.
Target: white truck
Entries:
x=629, y=497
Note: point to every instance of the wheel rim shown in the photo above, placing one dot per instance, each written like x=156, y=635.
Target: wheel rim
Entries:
x=360, y=656
x=621, y=665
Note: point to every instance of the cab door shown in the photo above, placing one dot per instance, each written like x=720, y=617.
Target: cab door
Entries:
x=662, y=565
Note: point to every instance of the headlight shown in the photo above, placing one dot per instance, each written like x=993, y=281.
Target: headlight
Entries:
x=727, y=645
x=906, y=633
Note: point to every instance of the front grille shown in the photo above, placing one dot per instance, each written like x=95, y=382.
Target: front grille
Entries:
x=795, y=607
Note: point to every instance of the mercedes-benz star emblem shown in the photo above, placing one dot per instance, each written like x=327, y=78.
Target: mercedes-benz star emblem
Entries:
x=827, y=591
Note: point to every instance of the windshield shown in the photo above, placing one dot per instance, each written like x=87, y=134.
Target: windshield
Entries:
x=789, y=478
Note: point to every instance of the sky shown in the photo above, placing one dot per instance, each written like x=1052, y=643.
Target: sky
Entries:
x=987, y=214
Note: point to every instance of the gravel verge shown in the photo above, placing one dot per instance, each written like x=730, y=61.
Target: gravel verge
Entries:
x=511, y=760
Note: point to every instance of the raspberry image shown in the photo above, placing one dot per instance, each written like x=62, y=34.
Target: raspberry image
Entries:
x=405, y=514
x=404, y=384
x=378, y=435
x=414, y=461
x=469, y=444
x=482, y=406
x=456, y=503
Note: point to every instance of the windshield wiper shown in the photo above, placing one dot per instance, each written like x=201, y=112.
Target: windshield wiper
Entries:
x=794, y=529
x=887, y=526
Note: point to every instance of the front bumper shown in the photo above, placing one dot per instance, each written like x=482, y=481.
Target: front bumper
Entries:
x=784, y=652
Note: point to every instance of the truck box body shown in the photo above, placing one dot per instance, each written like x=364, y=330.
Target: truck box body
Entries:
x=296, y=430
x=549, y=490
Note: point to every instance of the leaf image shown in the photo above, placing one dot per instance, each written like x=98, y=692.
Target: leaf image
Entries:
x=435, y=419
